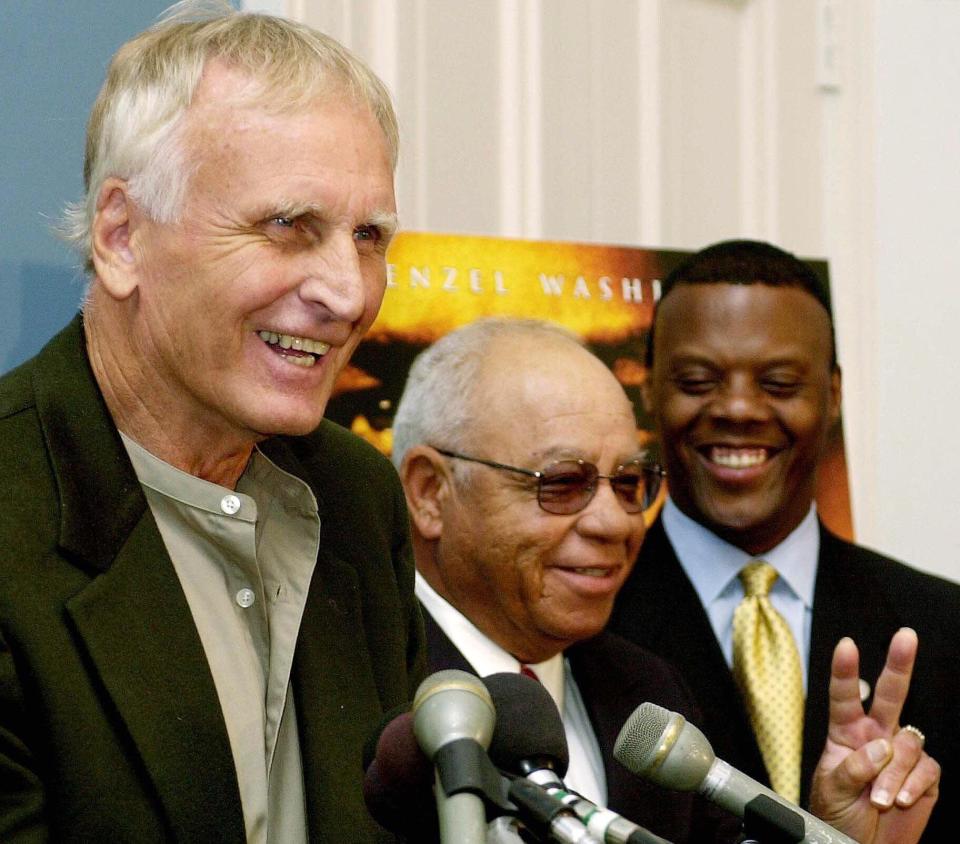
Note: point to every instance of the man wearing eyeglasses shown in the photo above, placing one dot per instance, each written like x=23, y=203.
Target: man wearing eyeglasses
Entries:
x=517, y=450
x=501, y=437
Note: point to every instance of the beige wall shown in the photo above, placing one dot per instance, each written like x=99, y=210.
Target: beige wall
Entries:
x=674, y=123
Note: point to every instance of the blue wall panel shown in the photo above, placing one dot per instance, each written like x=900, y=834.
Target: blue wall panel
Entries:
x=53, y=54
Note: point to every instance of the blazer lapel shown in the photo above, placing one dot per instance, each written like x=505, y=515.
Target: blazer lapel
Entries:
x=846, y=602
x=140, y=636
x=338, y=703
x=611, y=691
x=132, y=617
x=441, y=652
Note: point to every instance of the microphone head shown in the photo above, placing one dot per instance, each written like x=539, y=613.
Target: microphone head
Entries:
x=529, y=726
x=398, y=783
x=663, y=747
x=451, y=705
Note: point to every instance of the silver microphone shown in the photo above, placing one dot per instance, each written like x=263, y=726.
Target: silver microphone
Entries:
x=663, y=747
x=454, y=707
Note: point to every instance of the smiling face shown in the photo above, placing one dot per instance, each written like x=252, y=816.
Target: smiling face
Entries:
x=247, y=308
x=535, y=582
x=744, y=396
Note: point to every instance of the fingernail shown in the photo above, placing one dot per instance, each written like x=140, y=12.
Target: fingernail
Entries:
x=905, y=798
x=878, y=750
x=880, y=798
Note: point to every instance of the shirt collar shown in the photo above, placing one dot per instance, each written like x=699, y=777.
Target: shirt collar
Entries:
x=260, y=473
x=485, y=655
x=712, y=564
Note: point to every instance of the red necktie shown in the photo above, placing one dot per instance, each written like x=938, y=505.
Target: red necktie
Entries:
x=527, y=671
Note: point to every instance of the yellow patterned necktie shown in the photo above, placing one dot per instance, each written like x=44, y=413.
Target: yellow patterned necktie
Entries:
x=766, y=665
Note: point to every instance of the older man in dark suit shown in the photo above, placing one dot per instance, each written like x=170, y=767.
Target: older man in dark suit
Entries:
x=206, y=591
x=518, y=453
x=744, y=388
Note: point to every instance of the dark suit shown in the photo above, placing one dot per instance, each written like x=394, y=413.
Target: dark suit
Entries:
x=110, y=726
x=614, y=677
x=859, y=594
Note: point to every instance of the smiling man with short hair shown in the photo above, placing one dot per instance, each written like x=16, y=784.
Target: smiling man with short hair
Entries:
x=744, y=390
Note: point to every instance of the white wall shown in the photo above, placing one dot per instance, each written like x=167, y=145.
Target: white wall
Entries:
x=915, y=499
x=828, y=126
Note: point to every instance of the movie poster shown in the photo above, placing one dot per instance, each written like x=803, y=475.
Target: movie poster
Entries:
x=605, y=294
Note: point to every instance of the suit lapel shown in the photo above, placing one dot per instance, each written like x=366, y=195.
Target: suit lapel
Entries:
x=132, y=618
x=140, y=636
x=441, y=652
x=610, y=692
x=337, y=700
x=847, y=602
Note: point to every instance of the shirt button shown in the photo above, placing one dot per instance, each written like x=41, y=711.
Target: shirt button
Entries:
x=245, y=597
x=230, y=504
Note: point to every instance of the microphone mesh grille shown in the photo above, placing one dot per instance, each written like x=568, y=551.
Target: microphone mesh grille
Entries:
x=641, y=735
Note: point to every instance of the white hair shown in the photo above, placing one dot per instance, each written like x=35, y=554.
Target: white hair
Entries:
x=439, y=401
x=136, y=125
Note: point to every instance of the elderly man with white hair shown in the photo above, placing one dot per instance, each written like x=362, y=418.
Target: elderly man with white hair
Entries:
x=206, y=590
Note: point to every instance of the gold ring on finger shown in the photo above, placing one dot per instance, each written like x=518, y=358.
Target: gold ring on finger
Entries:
x=909, y=728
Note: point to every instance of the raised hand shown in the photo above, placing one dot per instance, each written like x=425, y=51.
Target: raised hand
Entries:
x=874, y=781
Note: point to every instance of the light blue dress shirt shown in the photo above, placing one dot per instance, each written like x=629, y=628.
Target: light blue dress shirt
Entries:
x=713, y=565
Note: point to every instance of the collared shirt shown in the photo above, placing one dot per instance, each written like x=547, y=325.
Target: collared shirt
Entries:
x=585, y=773
x=244, y=559
x=713, y=565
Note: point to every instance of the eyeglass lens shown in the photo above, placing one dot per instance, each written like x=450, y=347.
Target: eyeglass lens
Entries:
x=569, y=485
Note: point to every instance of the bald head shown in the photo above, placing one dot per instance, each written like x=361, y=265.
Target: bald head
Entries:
x=449, y=387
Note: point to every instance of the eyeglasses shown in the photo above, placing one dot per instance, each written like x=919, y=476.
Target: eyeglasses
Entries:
x=568, y=486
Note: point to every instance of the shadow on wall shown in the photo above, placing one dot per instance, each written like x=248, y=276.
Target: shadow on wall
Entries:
x=36, y=301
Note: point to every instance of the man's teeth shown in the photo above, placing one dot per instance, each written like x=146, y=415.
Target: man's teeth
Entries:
x=592, y=572
x=298, y=344
x=740, y=458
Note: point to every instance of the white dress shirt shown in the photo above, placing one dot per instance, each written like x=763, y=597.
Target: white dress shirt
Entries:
x=585, y=774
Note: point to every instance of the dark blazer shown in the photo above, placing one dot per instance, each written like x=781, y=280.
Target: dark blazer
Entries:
x=858, y=593
x=614, y=677
x=110, y=726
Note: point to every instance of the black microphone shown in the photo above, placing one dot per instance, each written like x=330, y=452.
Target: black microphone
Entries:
x=398, y=781
x=663, y=747
x=529, y=740
x=453, y=719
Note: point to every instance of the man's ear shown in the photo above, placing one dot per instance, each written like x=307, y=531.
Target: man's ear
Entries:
x=426, y=481
x=111, y=247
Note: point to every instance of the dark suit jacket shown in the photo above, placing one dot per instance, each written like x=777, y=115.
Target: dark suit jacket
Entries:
x=110, y=726
x=614, y=677
x=858, y=593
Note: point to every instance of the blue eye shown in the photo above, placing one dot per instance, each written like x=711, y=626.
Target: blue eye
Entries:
x=286, y=222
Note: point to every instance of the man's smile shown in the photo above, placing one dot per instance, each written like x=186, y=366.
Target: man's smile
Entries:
x=737, y=458
x=299, y=350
